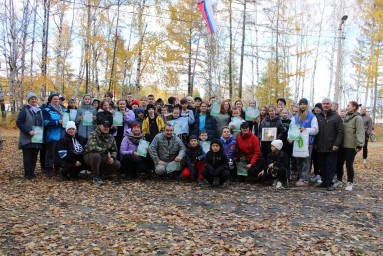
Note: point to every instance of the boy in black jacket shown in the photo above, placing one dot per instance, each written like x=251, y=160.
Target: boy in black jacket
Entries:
x=216, y=164
x=194, y=161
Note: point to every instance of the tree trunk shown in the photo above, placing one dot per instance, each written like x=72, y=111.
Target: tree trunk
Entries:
x=230, y=51
x=242, y=51
x=44, y=58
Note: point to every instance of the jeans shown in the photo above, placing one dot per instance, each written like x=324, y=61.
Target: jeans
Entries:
x=50, y=151
x=346, y=155
x=304, y=165
x=327, y=164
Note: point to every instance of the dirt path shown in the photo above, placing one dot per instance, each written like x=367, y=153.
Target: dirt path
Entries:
x=162, y=217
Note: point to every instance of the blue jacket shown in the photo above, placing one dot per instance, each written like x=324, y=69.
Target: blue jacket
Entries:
x=210, y=126
x=54, y=130
x=230, y=146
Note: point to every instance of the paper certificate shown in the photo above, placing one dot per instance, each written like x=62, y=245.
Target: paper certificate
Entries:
x=118, y=118
x=65, y=119
x=205, y=146
x=177, y=127
x=172, y=167
x=142, y=148
x=215, y=109
x=241, y=171
x=269, y=134
x=236, y=121
x=294, y=133
x=72, y=114
x=87, y=119
x=251, y=113
x=39, y=134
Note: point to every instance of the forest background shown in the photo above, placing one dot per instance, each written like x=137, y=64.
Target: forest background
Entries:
x=261, y=49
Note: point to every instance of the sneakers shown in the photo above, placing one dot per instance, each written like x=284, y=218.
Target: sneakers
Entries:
x=338, y=184
x=316, y=179
x=364, y=161
x=98, y=181
x=349, y=186
x=301, y=183
x=279, y=185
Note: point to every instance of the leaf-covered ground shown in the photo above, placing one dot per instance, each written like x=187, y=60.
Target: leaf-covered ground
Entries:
x=166, y=217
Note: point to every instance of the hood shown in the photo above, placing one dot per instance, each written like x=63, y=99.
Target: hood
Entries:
x=216, y=141
x=228, y=140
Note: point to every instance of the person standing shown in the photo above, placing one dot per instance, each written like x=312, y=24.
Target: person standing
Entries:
x=353, y=142
x=307, y=121
x=367, y=121
x=328, y=141
x=30, y=115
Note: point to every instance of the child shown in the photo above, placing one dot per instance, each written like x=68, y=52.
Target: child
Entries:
x=194, y=161
x=140, y=113
x=187, y=119
x=153, y=124
x=216, y=164
x=287, y=147
x=205, y=144
x=277, y=165
x=236, y=114
x=135, y=105
x=71, y=105
x=96, y=103
x=230, y=146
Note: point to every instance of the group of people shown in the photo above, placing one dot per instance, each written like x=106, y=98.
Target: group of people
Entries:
x=192, y=139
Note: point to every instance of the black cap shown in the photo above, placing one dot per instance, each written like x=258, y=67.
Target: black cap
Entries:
x=197, y=98
x=106, y=122
x=319, y=105
x=104, y=118
x=244, y=125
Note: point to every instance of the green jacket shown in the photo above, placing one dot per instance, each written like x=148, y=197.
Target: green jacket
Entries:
x=353, y=131
x=166, y=149
x=101, y=143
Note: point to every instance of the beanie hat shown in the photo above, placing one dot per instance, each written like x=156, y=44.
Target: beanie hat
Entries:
x=70, y=124
x=52, y=95
x=277, y=143
x=139, y=110
x=193, y=137
x=30, y=95
x=319, y=105
x=135, y=124
x=150, y=106
x=135, y=102
x=303, y=101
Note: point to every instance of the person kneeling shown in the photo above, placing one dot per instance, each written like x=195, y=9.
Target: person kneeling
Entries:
x=101, y=150
x=70, y=149
x=277, y=165
x=131, y=161
x=216, y=164
x=194, y=161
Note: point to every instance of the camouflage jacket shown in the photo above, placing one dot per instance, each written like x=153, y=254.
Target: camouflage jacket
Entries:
x=166, y=149
x=101, y=143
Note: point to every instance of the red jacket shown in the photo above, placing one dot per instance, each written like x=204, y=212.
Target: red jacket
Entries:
x=248, y=144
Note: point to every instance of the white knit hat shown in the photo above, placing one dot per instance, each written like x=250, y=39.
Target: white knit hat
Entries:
x=277, y=143
x=70, y=124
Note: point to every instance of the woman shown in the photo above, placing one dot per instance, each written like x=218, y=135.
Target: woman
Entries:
x=131, y=161
x=223, y=119
x=30, y=116
x=270, y=122
x=203, y=121
x=84, y=128
x=53, y=119
x=353, y=142
x=128, y=119
x=263, y=113
x=239, y=105
x=70, y=149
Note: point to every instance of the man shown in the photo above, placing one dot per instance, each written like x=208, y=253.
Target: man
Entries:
x=165, y=149
x=249, y=147
x=144, y=102
x=335, y=107
x=197, y=103
x=171, y=103
x=129, y=99
x=307, y=122
x=367, y=121
x=101, y=150
x=151, y=99
x=328, y=141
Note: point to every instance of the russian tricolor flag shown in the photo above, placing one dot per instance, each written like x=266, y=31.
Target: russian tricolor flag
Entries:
x=207, y=12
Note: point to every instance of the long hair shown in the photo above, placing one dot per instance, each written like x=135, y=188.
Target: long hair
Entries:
x=222, y=110
x=303, y=114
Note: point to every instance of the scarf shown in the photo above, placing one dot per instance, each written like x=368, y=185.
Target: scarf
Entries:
x=58, y=108
x=134, y=139
x=35, y=109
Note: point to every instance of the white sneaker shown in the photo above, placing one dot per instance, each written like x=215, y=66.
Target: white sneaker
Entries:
x=349, y=186
x=338, y=184
x=275, y=182
x=279, y=185
x=364, y=161
x=316, y=179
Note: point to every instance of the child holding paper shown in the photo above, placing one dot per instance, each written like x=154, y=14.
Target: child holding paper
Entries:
x=194, y=161
x=131, y=161
x=86, y=117
x=236, y=122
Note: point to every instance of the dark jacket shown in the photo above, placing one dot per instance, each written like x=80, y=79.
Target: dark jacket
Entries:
x=193, y=155
x=278, y=159
x=269, y=123
x=218, y=159
x=25, y=121
x=330, y=131
x=65, y=152
x=210, y=126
